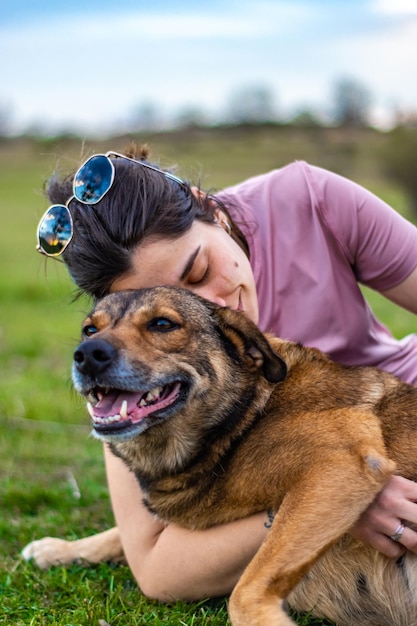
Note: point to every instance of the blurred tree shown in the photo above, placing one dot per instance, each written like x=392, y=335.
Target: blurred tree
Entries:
x=5, y=119
x=399, y=160
x=145, y=116
x=191, y=116
x=251, y=105
x=352, y=102
x=306, y=118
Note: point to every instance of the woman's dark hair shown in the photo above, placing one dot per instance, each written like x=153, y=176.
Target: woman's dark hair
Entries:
x=140, y=204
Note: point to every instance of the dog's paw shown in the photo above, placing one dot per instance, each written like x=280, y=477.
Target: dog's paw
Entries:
x=48, y=552
x=249, y=609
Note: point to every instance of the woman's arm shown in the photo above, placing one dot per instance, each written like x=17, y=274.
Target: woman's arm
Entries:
x=405, y=294
x=170, y=562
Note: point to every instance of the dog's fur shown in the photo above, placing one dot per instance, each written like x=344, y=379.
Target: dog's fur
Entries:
x=255, y=423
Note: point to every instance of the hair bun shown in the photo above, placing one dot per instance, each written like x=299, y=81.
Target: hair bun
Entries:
x=139, y=152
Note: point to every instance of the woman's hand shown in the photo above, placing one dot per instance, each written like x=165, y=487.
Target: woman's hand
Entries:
x=395, y=504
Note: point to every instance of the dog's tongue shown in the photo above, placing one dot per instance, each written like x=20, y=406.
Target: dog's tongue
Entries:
x=111, y=403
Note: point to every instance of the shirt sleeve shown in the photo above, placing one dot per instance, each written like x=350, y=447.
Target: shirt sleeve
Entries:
x=378, y=242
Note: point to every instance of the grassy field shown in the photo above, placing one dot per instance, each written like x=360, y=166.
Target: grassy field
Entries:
x=51, y=473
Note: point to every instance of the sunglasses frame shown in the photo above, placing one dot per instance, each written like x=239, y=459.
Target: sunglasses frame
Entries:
x=107, y=155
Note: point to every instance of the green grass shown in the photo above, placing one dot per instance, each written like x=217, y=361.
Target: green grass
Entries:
x=52, y=478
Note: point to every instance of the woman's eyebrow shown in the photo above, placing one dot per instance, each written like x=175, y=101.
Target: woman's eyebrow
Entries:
x=190, y=263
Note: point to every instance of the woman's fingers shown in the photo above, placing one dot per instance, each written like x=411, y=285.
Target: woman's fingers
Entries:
x=394, y=505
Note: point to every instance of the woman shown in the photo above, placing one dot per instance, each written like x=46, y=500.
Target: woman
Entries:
x=288, y=248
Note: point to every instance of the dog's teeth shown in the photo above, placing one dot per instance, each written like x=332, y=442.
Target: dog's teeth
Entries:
x=90, y=409
x=108, y=420
x=153, y=394
x=123, y=410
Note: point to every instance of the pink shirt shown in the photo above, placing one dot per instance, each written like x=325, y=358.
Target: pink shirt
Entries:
x=313, y=236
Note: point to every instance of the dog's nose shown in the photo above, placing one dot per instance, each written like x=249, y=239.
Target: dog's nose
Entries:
x=93, y=356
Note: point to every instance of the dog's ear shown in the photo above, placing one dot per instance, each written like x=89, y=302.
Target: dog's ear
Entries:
x=251, y=343
x=273, y=366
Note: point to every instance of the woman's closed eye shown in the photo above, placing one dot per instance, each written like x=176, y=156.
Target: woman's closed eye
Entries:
x=198, y=275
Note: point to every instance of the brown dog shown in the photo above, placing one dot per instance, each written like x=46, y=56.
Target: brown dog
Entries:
x=219, y=421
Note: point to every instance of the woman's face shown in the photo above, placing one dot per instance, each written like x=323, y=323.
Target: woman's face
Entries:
x=205, y=260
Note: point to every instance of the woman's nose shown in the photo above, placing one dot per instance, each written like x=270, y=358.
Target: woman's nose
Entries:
x=220, y=301
x=209, y=295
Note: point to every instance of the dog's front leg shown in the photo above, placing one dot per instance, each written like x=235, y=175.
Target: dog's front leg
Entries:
x=50, y=551
x=321, y=506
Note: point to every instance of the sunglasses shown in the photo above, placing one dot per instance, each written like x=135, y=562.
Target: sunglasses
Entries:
x=91, y=183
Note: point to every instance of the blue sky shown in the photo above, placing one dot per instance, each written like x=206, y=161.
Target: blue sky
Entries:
x=89, y=65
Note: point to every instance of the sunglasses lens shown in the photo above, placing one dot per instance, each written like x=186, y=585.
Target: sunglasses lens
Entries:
x=55, y=230
x=93, y=179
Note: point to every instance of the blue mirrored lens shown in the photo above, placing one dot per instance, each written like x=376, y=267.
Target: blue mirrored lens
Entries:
x=55, y=230
x=93, y=179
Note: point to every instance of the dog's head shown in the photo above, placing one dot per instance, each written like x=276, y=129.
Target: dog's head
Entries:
x=157, y=355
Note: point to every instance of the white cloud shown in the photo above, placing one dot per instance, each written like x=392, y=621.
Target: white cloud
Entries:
x=395, y=7
x=250, y=22
x=386, y=61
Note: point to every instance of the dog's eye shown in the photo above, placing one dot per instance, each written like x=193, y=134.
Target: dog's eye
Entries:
x=89, y=330
x=162, y=325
